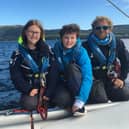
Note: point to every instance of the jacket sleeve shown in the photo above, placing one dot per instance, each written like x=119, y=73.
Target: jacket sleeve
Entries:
x=86, y=70
x=121, y=49
x=17, y=75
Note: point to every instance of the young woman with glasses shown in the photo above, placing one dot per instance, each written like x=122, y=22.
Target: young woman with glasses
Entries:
x=26, y=64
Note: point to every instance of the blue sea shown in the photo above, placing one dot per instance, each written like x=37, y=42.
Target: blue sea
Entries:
x=9, y=96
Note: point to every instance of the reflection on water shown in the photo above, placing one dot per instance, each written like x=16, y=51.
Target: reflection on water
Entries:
x=7, y=90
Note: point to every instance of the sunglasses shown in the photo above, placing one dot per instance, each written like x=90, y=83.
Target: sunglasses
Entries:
x=102, y=27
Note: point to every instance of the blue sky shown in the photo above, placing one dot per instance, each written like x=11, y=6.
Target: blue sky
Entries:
x=55, y=13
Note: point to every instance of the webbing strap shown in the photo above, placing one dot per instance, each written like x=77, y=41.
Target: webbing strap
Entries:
x=31, y=120
x=29, y=59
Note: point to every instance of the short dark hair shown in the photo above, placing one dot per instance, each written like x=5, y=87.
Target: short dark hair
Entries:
x=30, y=23
x=70, y=28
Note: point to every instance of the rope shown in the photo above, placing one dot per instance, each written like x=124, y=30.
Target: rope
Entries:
x=31, y=120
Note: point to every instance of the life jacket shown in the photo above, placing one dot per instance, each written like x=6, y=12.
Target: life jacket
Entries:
x=37, y=73
x=111, y=64
x=60, y=54
x=94, y=43
x=32, y=64
x=72, y=53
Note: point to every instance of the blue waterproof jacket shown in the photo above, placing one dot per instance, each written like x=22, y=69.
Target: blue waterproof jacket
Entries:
x=81, y=58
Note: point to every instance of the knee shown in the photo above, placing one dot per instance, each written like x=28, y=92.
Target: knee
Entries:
x=98, y=93
x=125, y=94
x=73, y=67
x=73, y=71
x=120, y=94
x=29, y=102
x=63, y=100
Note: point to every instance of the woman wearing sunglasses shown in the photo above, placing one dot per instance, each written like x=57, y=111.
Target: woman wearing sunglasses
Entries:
x=109, y=60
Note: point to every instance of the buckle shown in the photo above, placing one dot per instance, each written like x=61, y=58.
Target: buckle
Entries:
x=36, y=75
x=104, y=67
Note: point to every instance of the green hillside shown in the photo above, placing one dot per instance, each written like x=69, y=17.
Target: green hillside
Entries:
x=11, y=33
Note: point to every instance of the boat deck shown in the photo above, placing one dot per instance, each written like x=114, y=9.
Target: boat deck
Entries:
x=99, y=116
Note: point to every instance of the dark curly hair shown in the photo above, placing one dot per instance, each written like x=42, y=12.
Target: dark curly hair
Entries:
x=70, y=28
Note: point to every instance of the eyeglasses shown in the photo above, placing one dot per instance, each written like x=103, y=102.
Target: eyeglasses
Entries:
x=33, y=32
x=102, y=27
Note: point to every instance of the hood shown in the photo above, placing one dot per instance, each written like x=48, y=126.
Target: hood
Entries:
x=59, y=45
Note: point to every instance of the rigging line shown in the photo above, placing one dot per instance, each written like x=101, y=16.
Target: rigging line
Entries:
x=118, y=8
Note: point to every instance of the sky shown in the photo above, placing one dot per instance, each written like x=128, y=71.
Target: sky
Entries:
x=53, y=14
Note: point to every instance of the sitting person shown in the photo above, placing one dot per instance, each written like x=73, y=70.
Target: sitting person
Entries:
x=109, y=61
x=27, y=63
x=71, y=82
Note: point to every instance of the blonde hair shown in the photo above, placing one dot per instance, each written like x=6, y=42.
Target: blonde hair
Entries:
x=102, y=18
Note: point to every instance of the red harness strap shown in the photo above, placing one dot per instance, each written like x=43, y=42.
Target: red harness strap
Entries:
x=42, y=111
x=31, y=120
x=42, y=105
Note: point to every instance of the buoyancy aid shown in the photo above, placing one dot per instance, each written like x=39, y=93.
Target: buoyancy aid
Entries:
x=60, y=53
x=110, y=63
x=37, y=72
x=94, y=43
x=63, y=60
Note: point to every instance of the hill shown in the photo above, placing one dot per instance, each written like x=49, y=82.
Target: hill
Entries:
x=11, y=33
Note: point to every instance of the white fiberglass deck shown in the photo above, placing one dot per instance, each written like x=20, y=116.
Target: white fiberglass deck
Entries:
x=101, y=116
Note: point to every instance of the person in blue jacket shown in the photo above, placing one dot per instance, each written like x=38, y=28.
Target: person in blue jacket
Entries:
x=72, y=75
